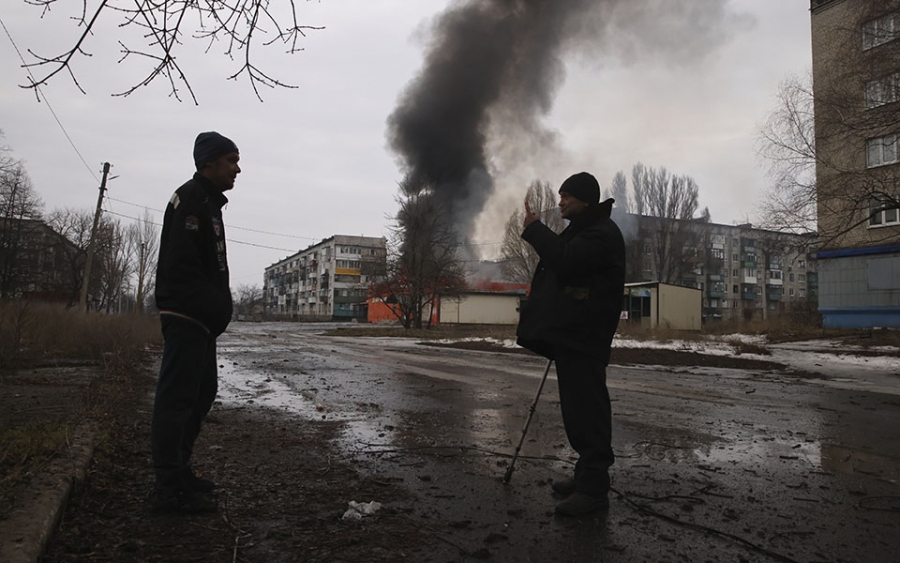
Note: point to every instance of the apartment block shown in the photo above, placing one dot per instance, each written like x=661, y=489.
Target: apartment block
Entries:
x=743, y=273
x=856, y=84
x=326, y=281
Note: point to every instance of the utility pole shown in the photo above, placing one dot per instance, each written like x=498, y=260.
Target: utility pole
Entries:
x=90, y=253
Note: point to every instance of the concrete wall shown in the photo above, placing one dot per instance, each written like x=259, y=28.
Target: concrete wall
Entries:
x=669, y=306
x=480, y=308
x=680, y=307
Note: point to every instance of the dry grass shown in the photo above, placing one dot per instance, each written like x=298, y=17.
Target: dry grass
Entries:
x=34, y=333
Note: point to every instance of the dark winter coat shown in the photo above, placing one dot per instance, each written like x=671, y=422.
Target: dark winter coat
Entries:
x=576, y=293
x=192, y=271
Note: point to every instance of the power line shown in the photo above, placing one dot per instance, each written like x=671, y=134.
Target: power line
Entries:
x=233, y=241
x=40, y=95
x=229, y=226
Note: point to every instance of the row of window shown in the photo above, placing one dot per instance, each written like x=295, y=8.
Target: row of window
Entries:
x=885, y=150
x=358, y=250
x=736, y=304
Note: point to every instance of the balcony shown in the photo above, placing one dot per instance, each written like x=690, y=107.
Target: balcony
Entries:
x=749, y=292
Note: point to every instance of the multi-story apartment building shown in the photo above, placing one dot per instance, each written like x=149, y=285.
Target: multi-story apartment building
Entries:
x=743, y=272
x=38, y=263
x=856, y=85
x=326, y=281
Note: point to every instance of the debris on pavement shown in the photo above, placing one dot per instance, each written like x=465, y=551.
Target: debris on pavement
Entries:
x=356, y=510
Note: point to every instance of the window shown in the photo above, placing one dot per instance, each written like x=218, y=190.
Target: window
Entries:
x=734, y=273
x=717, y=253
x=734, y=257
x=735, y=289
x=881, y=151
x=880, y=31
x=801, y=277
x=802, y=293
x=791, y=278
x=801, y=264
x=792, y=292
x=883, y=91
x=884, y=211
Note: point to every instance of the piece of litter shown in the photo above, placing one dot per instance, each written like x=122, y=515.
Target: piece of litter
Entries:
x=356, y=510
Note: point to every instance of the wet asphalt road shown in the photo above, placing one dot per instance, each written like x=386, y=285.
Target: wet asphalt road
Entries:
x=713, y=465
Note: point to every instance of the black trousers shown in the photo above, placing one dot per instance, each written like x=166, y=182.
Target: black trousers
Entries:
x=587, y=416
x=185, y=391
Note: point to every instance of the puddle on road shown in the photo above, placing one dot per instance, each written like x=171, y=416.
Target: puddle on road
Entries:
x=816, y=456
x=239, y=387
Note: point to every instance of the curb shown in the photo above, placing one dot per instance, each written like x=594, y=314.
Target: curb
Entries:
x=26, y=532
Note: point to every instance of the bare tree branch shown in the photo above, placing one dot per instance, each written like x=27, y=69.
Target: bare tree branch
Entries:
x=238, y=24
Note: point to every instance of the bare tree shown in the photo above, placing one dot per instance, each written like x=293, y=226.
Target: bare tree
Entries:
x=667, y=205
x=519, y=258
x=786, y=141
x=115, y=265
x=19, y=204
x=75, y=226
x=620, y=193
x=142, y=243
x=240, y=26
x=247, y=298
x=424, y=259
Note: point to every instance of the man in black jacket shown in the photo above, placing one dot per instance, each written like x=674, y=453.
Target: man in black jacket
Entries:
x=194, y=301
x=570, y=317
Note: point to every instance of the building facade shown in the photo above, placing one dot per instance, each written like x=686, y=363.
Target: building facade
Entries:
x=326, y=281
x=38, y=263
x=743, y=273
x=856, y=86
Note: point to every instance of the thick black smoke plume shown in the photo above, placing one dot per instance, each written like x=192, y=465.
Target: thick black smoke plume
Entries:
x=496, y=65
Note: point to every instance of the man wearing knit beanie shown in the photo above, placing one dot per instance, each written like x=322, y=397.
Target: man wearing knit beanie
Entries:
x=570, y=317
x=194, y=301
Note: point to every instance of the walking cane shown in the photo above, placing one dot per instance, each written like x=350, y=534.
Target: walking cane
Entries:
x=512, y=464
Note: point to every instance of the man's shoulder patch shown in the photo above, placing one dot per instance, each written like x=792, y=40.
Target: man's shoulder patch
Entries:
x=192, y=223
x=175, y=200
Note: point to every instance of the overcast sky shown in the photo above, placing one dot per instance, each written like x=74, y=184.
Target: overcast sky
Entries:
x=316, y=160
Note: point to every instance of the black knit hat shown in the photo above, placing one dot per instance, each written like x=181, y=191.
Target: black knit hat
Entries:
x=582, y=186
x=210, y=146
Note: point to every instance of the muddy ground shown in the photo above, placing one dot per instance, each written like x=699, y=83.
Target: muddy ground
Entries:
x=286, y=479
